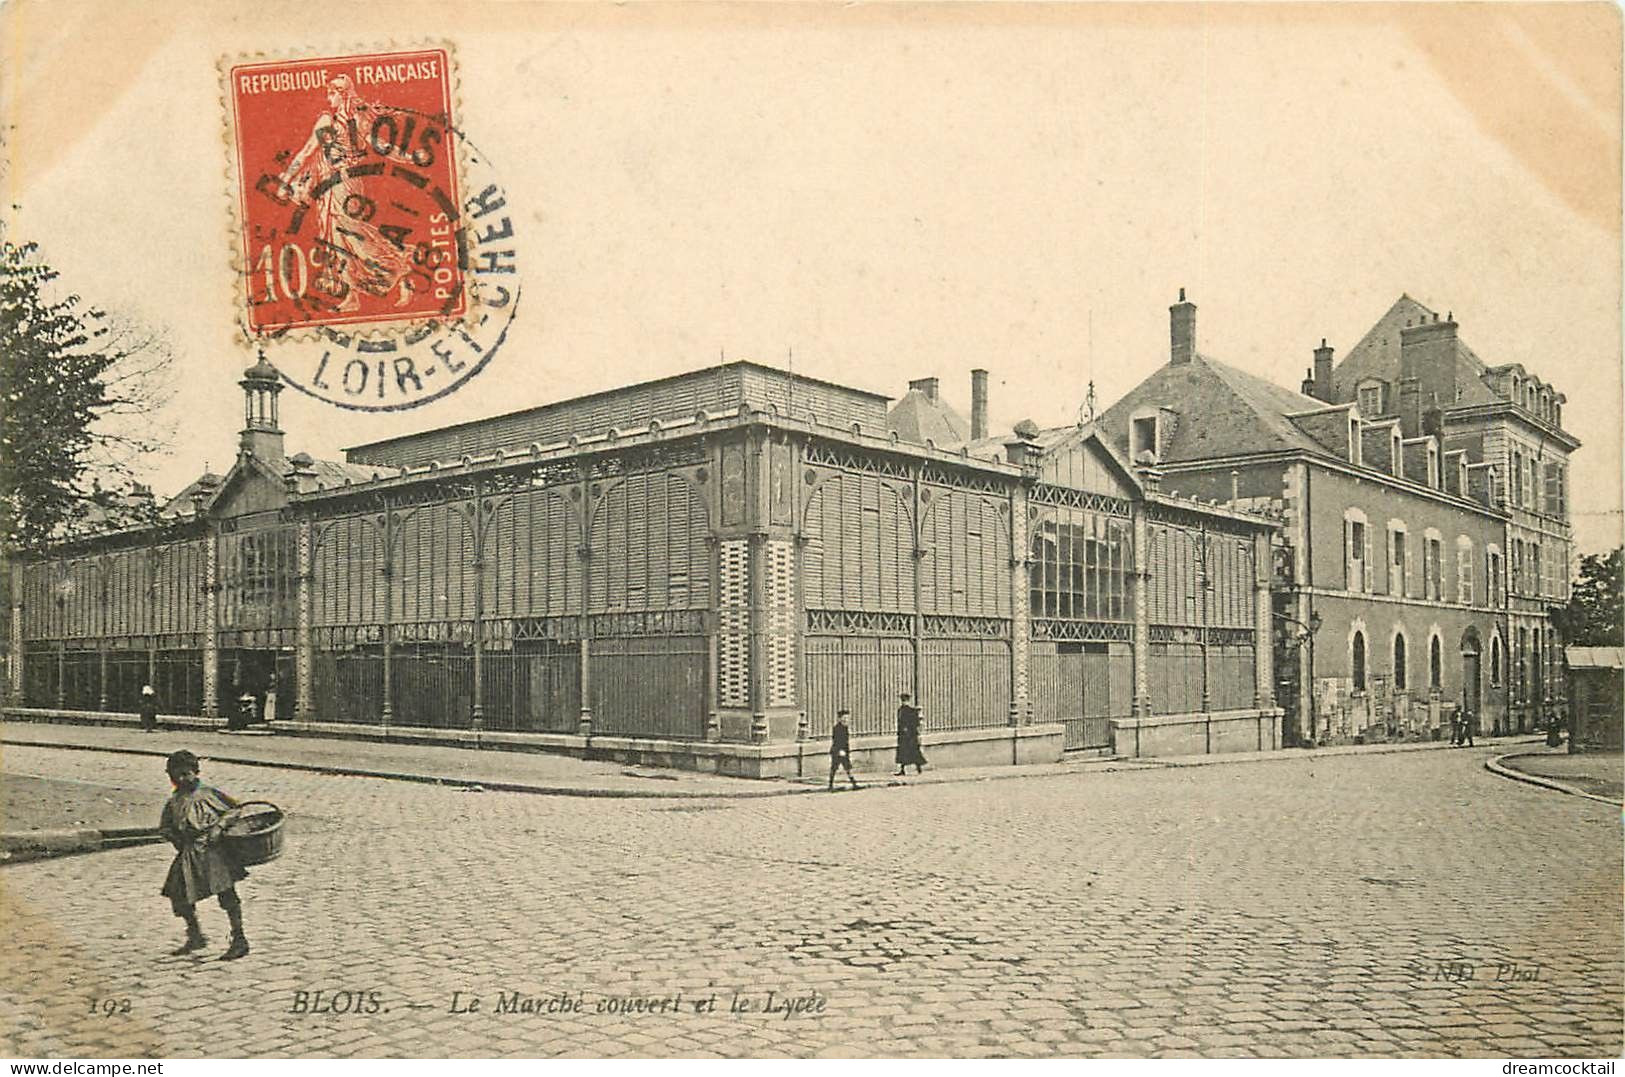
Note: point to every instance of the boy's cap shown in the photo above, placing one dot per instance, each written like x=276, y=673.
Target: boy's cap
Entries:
x=842, y=712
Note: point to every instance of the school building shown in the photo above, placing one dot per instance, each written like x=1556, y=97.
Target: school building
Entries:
x=1425, y=532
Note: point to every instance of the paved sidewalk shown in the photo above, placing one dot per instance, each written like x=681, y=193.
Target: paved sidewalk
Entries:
x=1595, y=774
x=528, y=772
x=537, y=772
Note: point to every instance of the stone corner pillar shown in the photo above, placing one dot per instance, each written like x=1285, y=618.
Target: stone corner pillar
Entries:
x=1021, y=613
x=1142, y=613
x=303, y=656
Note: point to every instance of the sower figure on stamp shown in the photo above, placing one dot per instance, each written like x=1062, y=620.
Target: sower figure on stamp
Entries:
x=840, y=749
x=202, y=868
x=908, y=736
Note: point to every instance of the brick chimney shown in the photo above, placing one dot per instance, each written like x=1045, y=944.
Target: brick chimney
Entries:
x=928, y=386
x=978, y=404
x=1427, y=352
x=1181, y=331
x=1323, y=372
x=1410, y=407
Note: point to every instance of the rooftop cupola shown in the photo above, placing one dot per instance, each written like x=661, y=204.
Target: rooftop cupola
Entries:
x=261, y=436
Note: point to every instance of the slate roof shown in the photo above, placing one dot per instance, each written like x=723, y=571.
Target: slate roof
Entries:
x=918, y=418
x=1377, y=356
x=1221, y=411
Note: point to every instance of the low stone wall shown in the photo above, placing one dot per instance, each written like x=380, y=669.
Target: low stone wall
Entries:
x=1197, y=734
x=994, y=746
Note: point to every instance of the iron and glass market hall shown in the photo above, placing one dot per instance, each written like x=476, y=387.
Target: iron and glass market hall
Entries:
x=697, y=571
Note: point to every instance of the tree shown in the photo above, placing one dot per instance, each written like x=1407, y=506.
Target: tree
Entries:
x=1595, y=615
x=79, y=392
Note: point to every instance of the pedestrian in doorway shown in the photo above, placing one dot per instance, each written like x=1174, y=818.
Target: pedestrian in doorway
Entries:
x=269, y=713
x=202, y=868
x=1468, y=721
x=148, y=709
x=908, y=736
x=840, y=749
x=1455, y=729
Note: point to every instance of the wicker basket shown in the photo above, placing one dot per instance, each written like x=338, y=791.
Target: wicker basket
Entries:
x=253, y=832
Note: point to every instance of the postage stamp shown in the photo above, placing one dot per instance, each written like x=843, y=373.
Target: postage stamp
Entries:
x=375, y=247
x=348, y=190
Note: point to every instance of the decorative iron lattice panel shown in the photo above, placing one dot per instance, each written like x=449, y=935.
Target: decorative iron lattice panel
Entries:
x=1195, y=517
x=951, y=627
x=342, y=637
x=1082, y=631
x=733, y=627
x=1045, y=494
x=780, y=599
x=859, y=623
x=964, y=479
x=689, y=453
x=648, y=623
x=1216, y=635
x=847, y=459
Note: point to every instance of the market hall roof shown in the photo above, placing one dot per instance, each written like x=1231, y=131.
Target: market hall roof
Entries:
x=725, y=387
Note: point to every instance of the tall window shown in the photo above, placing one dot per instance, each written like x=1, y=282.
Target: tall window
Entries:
x=1357, y=661
x=1356, y=552
x=1495, y=661
x=1081, y=567
x=1398, y=559
x=1399, y=662
x=1537, y=570
x=1517, y=477
x=1431, y=565
x=1435, y=664
x=1492, y=577
x=1371, y=400
x=1464, y=570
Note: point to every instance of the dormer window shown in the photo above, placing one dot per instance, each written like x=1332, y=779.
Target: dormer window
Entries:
x=1354, y=438
x=1399, y=453
x=1145, y=446
x=1433, y=464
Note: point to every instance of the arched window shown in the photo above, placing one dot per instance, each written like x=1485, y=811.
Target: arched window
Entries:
x=1495, y=661
x=1358, y=663
x=1435, y=664
x=1399, y=662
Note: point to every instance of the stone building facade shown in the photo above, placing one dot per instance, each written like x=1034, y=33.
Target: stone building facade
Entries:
x=1391, y=588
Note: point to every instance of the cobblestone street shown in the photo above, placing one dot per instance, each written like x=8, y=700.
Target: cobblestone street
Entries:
x=1400, y=905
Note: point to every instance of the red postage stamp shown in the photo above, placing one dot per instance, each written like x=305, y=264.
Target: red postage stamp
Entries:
x=347, y=190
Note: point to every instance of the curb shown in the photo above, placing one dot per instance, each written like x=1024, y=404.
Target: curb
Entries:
x=1497, y=766
x=428, y=779
x=24, y=846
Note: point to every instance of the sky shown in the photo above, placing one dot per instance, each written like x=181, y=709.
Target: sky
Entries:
x=886, y=192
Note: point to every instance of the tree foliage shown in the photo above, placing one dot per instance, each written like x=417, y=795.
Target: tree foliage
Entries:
x=79, y=392
x=1595, y=615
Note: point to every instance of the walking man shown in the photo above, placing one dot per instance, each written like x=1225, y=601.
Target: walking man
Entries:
x=908, y=736
x=840, y=749
x=1468, y=720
